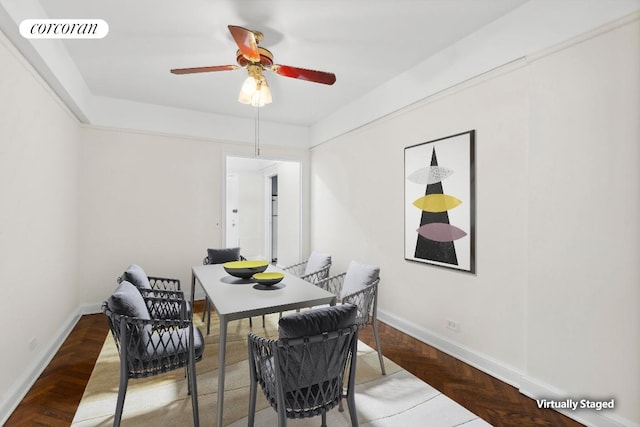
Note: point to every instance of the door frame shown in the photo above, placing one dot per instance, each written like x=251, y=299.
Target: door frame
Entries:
x=268, y=237
x=303, y=197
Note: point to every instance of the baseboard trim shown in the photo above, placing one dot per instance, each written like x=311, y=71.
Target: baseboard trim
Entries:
x=528, y=386
x=507, y=374
x=536, y=389
x=90, y=309
x=22, y=386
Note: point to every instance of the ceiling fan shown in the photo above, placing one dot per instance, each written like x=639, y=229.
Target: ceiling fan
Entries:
x=256, y=59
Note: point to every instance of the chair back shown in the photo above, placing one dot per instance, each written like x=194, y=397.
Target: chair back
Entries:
x=222, y=255
x=304, y=376
x=313, y=269
x=136, y=275
x=317, y=266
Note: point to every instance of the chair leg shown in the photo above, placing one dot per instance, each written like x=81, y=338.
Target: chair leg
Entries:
x=351, y=403
x=208, y=316
x=324, y=419
x=122, y=391
x=282, y=418
x=192, y=384
x=253, y=387
x=351, y=385
x=263, y=321
x=374, y=324
x=206, y=307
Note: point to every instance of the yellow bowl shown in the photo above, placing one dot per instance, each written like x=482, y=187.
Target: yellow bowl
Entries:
x=245, y=269
x=268, y=279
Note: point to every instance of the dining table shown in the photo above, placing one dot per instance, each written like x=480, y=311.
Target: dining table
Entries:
x=236, y=298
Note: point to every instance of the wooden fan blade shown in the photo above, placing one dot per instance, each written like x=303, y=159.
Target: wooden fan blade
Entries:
x=204, y=69
x=246, y=41
x=304, y=74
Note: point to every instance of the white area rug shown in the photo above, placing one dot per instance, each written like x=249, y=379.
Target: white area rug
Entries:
x=396, y=399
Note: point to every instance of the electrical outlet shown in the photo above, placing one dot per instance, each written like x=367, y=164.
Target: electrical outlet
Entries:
x=453, y=325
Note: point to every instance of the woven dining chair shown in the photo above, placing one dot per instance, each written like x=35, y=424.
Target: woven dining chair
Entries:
x=313, y=269
x=218, y=256
x=302, y=373
x=359, y=286
x=149, y=345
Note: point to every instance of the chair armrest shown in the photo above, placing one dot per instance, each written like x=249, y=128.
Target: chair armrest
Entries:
x=316, y=276
x=332, y=284
x=141, y=330
x=296, y=269
x=164, y=283
x=261, y=362
x=364, y=300
x=260, y=347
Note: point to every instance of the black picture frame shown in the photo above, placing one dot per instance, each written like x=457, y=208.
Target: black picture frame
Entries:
x=439, y=190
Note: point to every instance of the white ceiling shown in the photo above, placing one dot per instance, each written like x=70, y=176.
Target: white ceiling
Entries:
x=364, y=42
x=368, y=44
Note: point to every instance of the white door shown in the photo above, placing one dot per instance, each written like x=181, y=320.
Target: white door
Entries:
x=232, y=222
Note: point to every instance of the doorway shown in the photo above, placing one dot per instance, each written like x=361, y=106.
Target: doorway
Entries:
x=261, y=196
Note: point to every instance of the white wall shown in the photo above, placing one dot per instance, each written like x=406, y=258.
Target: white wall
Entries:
x=145, y=199
x=357, y=213
x=554, y=305
x=150, y=199
x=38, y=224
x=584, y=230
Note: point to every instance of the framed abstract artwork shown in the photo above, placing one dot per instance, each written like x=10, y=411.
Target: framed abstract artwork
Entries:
x=439, y=197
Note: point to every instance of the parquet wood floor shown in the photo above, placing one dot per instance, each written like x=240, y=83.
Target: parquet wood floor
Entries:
x=496, y=402
x=54, y=398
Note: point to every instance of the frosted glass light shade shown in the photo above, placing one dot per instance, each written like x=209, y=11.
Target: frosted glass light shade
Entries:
x=256, y=93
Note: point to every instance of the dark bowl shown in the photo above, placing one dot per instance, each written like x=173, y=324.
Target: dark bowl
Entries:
x=245, y=269
x=269, y=278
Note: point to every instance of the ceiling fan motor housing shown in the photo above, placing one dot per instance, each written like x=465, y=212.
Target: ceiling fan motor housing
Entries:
x=266, y=58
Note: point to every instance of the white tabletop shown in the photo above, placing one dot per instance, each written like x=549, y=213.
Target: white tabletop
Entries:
x=236, y=298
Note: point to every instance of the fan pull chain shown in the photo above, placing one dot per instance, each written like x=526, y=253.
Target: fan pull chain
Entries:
x=257, y=132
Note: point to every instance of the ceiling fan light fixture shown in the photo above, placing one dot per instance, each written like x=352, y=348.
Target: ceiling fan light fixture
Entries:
x=255, y=92
x=247, y=90
x=256, y=59
x=263, y=93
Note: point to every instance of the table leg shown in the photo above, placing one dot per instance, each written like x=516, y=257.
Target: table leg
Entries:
x=193, y=292
x=192, y=358
x=221, y=366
